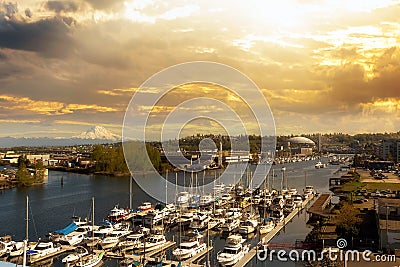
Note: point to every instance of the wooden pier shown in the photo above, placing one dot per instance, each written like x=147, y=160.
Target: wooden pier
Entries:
x=253, y=251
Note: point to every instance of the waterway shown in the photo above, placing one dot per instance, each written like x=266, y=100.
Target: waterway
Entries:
x=52, y=205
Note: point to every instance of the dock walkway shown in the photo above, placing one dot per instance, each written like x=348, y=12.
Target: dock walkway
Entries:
x=253, y=251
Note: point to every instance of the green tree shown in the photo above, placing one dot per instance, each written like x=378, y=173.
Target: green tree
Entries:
x=347, y=221
x=22, y=174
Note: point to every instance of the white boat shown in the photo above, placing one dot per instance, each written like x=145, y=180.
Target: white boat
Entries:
x=230, y=225
x=319, y=165
x=7, y=246
x=248, y=226
x=183, y=198
x=267, y=226
x=132, y=241
x=234, y=213
x=185, y=219
x=146, y=206
x=113, y=239
x=298, y=201
x=17, y=249
x=200, y=221
x=91, y=260
x=206, y=200
x=278, y=202
x=42, y=249
x=153, y=217
x=277, y=216
x=72, y=239
x=234, y=250
x=309, y=190
x=78, y=253
x=152, y=243
x=117, y=214
x=289, y=206
x=190, y=247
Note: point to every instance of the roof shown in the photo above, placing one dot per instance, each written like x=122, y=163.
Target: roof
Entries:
x=388, y=202
x=391, y=225
x=301, y=140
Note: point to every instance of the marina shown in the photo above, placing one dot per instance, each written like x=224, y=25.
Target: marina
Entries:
x=112, y=256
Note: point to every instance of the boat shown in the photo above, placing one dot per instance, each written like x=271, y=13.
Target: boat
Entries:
x=72, y=239
x=113, y=239
x=153, y=217
x=267, y=226
x=42, y=249
x=190, y=247
x=185, y=219
x=91, y=260
x=152, y=243
x=200, y=221
x=289, y=206
x=309, y=190
x=78, y=253
x=146, y=206
x=230, y=225
x=278, y=202
x=132, y=241
x=319, y=165
x=297, y=201
x=234, y=250
x=248, y=226
x=206, y=200
x=277, y=216
x=117, y=214
x=16, y=250
x=7, y=245
x=183, y=198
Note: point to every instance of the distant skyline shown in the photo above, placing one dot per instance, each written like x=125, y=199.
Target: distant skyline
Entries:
x=324, y=66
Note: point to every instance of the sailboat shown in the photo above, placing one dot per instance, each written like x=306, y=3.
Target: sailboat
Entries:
x=20, y=248
x=94, y=257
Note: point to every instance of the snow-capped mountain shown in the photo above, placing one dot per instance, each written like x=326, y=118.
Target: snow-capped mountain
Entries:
x=98, y=132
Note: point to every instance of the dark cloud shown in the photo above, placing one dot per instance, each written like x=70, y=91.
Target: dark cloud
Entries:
x=105, y=4
x=49, y=37
x=62, y=6
x=10, y=9
x=28, y=13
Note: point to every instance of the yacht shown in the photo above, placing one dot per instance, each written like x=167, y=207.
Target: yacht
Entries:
x=230, y=225
x=91, y=260
x=278, y=202
x=267, y=226
x=153, y=217
x=117, y=214
x=146, y=206
x=298, y=201
x=289, y=206
x=42, y=249
x=234, y=250
x=206, y=200
x=183, y=198
x=113, y=239
x=72, y=239
x=78, y=253
x=309, y=190
x=200, y=221
x=190, y=247
x=248, y=226
x=152, y=243
x=132, y=241
x=319, y=165
x=185, y=219
x=277, y=215
x=7, y=245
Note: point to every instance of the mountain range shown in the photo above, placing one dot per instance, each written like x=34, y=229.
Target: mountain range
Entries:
x=94, y=135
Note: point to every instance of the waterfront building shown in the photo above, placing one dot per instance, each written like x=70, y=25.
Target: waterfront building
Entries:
x=388, y=215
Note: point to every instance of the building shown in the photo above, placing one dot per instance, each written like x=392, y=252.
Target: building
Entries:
x=388, y=215
x=389, y=150
x=300, y=145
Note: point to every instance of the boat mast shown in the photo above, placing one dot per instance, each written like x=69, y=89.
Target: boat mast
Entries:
x=130, y=192
x=26, y=232
x=93, y=218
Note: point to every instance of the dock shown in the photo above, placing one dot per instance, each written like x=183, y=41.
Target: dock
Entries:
x=64, y=248
x=320, y=205
x=198, y=256
x=253, y=251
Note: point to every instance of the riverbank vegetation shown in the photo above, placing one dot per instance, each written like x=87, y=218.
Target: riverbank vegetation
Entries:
x=27, y=178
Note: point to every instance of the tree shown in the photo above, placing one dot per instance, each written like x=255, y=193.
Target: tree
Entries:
x=22, y=174
x=39, y=172
x=347, y=221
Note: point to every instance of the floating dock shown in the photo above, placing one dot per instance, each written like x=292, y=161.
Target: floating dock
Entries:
x=253, y=251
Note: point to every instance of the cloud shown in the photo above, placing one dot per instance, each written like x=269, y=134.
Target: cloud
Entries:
x=49, y=37
x=62, y=6
x=9, y=8
x=28, y=13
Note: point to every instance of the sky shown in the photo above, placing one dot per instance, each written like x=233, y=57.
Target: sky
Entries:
x=323, y=66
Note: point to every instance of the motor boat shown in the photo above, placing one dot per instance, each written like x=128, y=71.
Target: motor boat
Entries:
x=91, y=260
x=233, y=251
x=183, y=198
x=117, y=214
x=267, y=226
x=132, y=241
x=152, y=243
x=78, y=253
x=206, y=200
x=298, y=201
x=190, y=247
x=230, y=225
x=42, y=249
x=309, y=190
x=248, y=226
x=277, y=216
x=113, y=239
x=146, y=206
